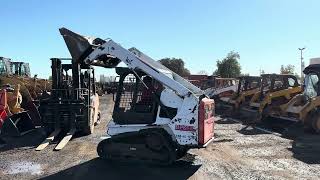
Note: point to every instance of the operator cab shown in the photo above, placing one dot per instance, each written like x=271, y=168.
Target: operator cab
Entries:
x=311, y=81
x=247, y=83
x=137, y=98
x=277, y=82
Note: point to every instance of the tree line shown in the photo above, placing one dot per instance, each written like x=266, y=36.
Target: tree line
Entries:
x=228, y=67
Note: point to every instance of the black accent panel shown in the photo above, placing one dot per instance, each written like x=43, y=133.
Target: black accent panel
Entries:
x=168, y=112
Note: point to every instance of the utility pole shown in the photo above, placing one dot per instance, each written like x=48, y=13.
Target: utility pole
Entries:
x=302, y=63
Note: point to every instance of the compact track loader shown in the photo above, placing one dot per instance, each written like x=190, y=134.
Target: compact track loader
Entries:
x=246, y=88
x=305, y=107
x=275, y=91
x=157, y=115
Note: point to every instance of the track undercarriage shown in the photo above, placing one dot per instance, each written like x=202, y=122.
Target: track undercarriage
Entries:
x=152, y=146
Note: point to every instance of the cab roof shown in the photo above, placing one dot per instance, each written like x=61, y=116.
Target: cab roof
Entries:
x=312, y=68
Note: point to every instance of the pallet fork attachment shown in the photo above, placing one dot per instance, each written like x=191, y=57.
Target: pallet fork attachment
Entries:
x=48, y=140
x=65, y=140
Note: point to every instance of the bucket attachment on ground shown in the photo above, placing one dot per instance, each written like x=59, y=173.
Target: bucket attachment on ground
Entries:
x=17, y=125
x=33, y=113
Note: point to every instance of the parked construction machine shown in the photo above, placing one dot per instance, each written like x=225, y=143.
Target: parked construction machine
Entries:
x=305, y=107
x=18, y=92
x=246, y=88
x=9, y=67
x=275, y=90
x=157, y=115
x=73, y=104
x=222, y=87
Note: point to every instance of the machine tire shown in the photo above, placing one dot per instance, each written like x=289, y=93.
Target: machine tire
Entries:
x=311, y=121
x=98, y=119
x=100, y=149
x=90, y=128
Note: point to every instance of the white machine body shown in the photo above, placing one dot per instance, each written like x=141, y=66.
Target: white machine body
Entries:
x=193, y=122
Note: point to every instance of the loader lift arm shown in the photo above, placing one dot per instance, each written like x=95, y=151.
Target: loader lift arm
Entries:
x=108, y=54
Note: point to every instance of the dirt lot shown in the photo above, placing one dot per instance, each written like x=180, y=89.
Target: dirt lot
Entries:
x=235, y=154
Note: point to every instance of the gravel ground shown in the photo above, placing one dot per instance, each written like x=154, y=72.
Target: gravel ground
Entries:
x=235, y=154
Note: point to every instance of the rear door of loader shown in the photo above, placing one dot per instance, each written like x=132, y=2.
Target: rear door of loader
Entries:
x=206, y=120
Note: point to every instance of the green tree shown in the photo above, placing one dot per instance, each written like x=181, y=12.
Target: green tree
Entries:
x=288, y=69
x=176, y=65
x=229, y=67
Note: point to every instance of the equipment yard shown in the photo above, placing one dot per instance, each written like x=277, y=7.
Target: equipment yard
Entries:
x=218, y=90
x=234, y=154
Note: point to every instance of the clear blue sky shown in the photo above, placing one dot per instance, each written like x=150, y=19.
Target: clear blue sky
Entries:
x=266, y=33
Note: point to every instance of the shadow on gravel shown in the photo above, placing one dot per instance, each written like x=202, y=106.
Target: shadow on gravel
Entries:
x=226, y=121
x=251, y=131
x=100, y=169
x=32, y=140
x=306, y=149
x=29, y=140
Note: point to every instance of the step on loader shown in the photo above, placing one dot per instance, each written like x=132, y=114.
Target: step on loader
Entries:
x=157, y=114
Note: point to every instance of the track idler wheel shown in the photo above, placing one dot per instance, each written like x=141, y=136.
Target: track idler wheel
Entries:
x=89, y=129
x=101, y=148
